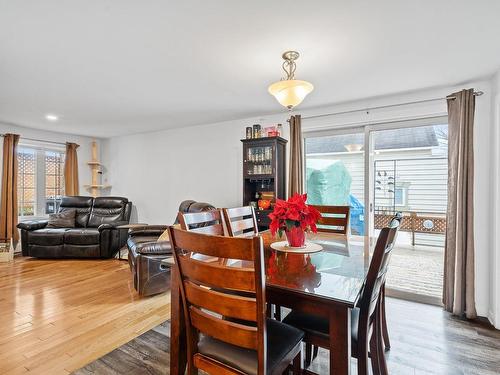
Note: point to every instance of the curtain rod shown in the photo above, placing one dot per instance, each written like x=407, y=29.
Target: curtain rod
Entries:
x=476, y=93
x=40, y=140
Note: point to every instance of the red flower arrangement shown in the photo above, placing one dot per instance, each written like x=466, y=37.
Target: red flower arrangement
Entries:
x=294, y=217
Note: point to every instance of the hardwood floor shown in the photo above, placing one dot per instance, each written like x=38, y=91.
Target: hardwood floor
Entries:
x=59, y=315
x=425, y=340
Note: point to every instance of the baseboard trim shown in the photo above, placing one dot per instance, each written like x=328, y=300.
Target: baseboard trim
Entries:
x=414, y=297
x=491, y=318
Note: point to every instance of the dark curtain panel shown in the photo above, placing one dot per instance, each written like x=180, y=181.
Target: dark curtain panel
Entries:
x=8, y=202
x=71, y=185
x=458, y=291
x=296, y=174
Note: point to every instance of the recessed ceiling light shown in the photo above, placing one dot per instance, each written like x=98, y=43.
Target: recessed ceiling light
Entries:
x=51, y=117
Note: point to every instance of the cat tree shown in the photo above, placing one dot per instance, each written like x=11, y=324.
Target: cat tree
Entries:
x=95, y=165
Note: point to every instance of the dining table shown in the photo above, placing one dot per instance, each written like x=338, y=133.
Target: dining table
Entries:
x=327, y=283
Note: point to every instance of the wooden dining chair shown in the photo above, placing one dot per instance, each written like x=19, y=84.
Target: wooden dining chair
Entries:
x=227, y=332
x=207, y=222
x=366, y=332
x=334, y=219
x=398, y=216
x=240, y=221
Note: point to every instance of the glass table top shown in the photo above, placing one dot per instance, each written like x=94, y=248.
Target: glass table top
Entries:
x=337, y=272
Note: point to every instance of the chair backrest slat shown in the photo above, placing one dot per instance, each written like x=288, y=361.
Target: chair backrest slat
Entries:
x=214, y=275
x=217, y=246
x=240, y=221
x=225, y=330
x=208, y=222
x=334, y=219
x=232, y=306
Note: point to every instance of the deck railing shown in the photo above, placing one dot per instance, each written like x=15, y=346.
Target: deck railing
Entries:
x=414, y=222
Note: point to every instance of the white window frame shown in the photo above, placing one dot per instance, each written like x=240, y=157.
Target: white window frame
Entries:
x=40, y=171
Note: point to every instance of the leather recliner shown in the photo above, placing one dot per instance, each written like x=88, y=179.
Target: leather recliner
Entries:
x=145, y=253
x=95, y=234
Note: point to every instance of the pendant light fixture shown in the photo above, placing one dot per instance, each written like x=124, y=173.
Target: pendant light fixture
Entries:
x=290, y=92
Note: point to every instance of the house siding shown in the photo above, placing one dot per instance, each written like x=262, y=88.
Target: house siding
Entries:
x=423, y=174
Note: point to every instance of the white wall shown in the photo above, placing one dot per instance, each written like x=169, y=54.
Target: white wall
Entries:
x=158, y=170
x=83, y=150
x=494, y=313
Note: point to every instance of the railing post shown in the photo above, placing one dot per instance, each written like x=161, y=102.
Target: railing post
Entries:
x=412, y=216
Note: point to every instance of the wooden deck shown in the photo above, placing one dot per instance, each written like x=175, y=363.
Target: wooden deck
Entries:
x=417, y=270
x=59, y=315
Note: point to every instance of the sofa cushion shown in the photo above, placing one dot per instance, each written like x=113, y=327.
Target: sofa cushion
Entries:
x=81, y=251
x=47, y=236
x=81, y=236
x=39, y=251
x=82, y=205
x=65, y=219
x=107, y=210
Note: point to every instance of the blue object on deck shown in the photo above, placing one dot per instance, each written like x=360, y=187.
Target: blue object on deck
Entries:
x=357, y=216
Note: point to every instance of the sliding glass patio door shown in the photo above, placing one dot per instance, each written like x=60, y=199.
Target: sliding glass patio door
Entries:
x=409, y=174
x=382, y=169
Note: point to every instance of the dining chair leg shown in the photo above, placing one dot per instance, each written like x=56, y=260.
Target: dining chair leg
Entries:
x=315, y=352
x=385, y=331
x=297, y=369
x=277, y=313
x=374, y=353
x=363, y=358
x=308, y=357
x=380, y=344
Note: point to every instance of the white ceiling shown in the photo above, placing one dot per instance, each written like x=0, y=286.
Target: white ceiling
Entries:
x=113, y=67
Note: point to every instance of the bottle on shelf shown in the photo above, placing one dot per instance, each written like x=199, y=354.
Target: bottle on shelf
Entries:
x=279, y=130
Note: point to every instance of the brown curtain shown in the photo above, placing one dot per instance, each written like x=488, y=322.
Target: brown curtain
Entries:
x=8, y=203
x=296, y=174
x=458, y=292
x=71, y=186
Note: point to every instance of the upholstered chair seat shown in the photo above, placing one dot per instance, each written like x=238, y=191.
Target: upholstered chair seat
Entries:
x=281, y=339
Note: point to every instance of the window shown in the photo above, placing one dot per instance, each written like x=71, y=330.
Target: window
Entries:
x=40, y=180
x=54, y=180
x=26, y=193
x=400, y=196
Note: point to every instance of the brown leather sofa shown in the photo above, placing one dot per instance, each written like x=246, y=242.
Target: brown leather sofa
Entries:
x=145, y=253
x=95, y=234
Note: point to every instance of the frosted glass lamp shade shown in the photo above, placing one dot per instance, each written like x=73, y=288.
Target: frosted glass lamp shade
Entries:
x=291, y=92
